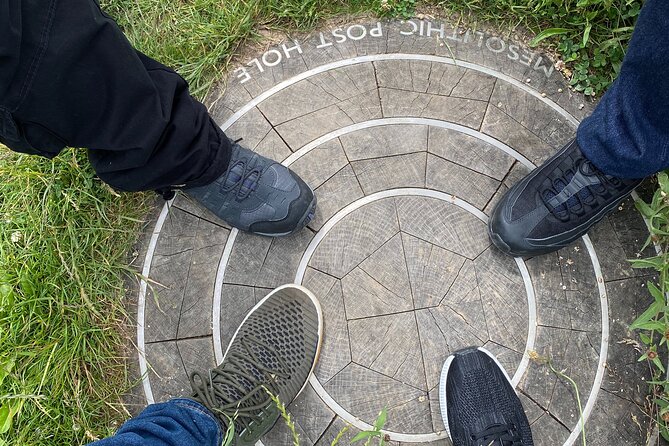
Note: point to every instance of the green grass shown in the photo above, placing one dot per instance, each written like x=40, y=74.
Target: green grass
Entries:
x=653, y=324
x=64, y=237
x=199, y=37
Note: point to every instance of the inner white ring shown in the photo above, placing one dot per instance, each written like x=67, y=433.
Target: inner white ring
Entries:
x=427, y=193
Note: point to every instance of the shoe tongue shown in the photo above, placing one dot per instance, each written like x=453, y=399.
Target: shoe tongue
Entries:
x=247, y=375
x=250, y=183
x=491, y=422
x=235, y=175
x=249, y=179
x=572, y=202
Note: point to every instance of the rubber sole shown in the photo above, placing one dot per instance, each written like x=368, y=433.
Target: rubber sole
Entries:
x=442, y=384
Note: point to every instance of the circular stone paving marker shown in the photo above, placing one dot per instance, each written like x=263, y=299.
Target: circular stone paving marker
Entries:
x=409, y=132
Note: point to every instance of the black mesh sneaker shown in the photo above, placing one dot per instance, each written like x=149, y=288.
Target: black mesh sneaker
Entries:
x=256, y=194
x=555, y=204
x=274, y=350
x=478, y=403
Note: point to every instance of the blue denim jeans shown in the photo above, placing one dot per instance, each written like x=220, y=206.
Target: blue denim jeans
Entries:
x=179, y=422
x=628, y=134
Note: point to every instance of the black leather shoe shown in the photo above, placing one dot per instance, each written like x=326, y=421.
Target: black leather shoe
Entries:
x=555, y=204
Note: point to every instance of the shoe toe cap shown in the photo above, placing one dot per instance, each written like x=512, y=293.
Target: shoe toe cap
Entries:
x=300, y=211
x=509, y=236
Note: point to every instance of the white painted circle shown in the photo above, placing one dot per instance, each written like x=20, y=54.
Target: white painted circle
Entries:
x=427, y=193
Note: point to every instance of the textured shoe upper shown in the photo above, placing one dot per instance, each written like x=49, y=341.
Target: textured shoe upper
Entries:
x=556, y=203
x=274, y=351
x=257, y=194
x=483, y=408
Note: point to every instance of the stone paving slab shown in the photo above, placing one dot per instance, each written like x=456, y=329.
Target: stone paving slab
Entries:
x=409, y=132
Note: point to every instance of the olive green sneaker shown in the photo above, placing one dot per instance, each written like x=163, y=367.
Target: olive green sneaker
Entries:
x=274, y=349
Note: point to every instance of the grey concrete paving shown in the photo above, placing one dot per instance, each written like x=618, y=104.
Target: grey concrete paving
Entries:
x=409, y=132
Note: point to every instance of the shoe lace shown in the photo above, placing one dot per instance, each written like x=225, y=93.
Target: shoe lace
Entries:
x=243, y=174
x=498, y=435
x=237, y=390
x=563, y=203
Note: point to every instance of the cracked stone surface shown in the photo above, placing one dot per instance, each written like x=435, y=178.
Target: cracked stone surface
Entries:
x=409, y=133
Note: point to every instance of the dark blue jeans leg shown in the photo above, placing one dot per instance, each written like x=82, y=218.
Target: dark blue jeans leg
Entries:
x=628, y=134
x=179, y=422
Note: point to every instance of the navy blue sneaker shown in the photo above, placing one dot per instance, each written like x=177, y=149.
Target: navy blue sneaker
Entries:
x=555, y=204
x=258, y=195
x=478, y=403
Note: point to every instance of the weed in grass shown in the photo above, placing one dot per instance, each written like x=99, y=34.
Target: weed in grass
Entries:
x=653, y=324
x=340, y=435
x=376, y=432
x=396, y=8
x=286, y=417
x=229, y=437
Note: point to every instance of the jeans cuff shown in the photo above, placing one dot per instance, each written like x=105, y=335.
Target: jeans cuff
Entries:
x=198, y=408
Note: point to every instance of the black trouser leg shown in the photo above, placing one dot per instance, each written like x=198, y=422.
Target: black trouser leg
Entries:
x=69, y=77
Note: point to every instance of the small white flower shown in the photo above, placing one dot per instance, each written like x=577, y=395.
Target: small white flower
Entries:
x=16, y=236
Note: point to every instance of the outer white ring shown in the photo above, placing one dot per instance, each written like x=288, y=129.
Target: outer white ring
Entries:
x=378, y=57
x=415, y=192
x=141, y=303
x=395, y=56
